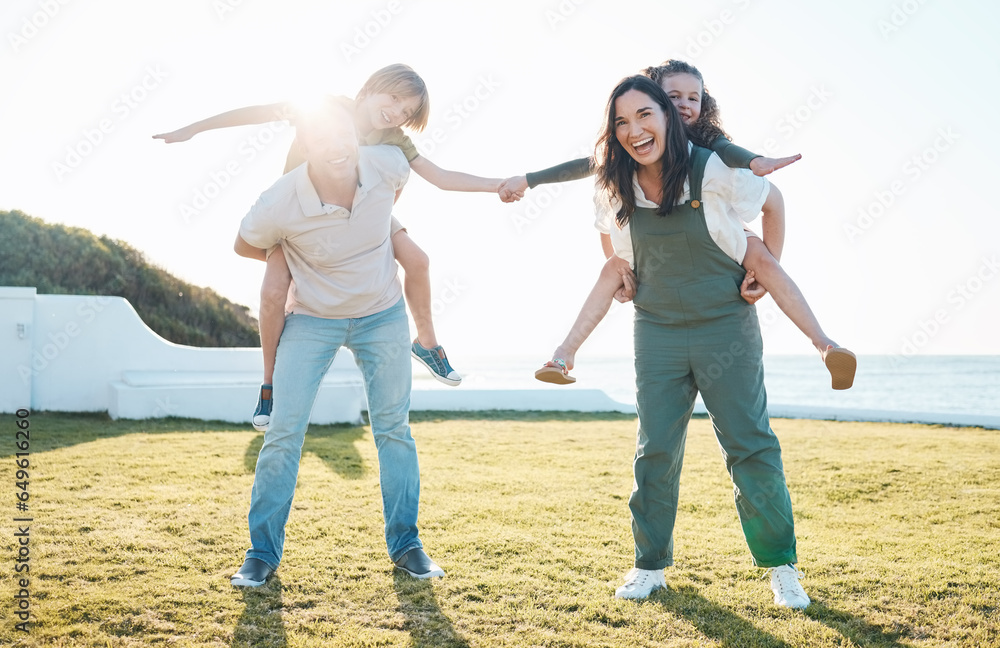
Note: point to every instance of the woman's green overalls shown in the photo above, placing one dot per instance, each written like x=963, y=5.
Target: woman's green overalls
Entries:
x=694, y=333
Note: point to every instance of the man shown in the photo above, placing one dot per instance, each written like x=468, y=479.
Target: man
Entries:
x=331, y=216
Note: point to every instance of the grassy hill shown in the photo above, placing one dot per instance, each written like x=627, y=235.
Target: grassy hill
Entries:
x=72, y=261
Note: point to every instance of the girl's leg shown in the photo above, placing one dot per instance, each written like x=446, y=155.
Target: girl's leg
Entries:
x=594, y=309
x=273, y=295
x=786, y=294
x=417, y=287
x=841, y=363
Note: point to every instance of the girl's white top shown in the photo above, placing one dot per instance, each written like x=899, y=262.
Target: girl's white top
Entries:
x=730, y=198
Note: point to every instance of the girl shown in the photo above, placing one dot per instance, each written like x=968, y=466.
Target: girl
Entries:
x=699, y=112
x=678, y=209
x=392, y=97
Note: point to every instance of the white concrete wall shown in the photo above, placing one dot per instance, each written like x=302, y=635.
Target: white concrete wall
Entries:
x=17, y=312
x=82, y=344
x=73, y=353
x=75, y=348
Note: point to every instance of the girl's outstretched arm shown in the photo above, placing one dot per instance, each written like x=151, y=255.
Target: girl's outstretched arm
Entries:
x=737, y=157
x=761, y=166
x=514, y=187
x=240, y=117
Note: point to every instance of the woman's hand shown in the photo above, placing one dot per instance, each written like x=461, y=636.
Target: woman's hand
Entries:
x=761, y=166
x=750, y=290
x=627, y=292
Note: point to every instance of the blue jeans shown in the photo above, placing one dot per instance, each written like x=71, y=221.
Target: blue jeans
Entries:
x=381, y=346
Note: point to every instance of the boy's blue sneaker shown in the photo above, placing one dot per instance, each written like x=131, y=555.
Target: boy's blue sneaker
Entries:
x=262, y=415
x=436, y=360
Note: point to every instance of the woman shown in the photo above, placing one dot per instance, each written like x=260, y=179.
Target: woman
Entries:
x=678, y=208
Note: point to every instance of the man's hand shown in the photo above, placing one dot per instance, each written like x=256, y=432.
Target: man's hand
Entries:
x=761, y=166
x=750, y=290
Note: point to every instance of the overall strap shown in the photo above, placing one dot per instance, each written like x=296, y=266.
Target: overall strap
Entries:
x=699, y=157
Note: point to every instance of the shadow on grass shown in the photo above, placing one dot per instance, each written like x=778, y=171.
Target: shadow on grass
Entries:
x=856, y=629
x=732, y=631
x=55, y=430
x=713, y=620
x=429, y=416
x=334, y=444
x=260, y=625
x=427, y=625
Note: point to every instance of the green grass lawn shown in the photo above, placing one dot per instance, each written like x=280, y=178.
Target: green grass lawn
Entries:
x=138, y=525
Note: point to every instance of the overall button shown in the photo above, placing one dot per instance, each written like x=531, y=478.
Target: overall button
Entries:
x=695, y=204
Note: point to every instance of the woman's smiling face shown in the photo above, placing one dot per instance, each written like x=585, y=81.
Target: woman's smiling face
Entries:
x=641, y=127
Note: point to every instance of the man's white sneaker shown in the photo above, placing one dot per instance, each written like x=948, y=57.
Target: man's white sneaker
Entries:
x=787, y=590
x=640, y=583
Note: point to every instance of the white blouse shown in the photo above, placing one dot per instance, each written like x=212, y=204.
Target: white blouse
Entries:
x=730, y=198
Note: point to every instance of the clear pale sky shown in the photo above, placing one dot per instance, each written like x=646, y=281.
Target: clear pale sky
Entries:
x=891, y=231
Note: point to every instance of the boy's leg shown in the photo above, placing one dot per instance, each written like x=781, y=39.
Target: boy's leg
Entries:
x=380, y=343
x=786, y=294
x=308, y=346
x=417, y=287
x=273, y=295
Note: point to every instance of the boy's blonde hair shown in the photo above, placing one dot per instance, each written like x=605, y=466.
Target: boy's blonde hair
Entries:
x=401, y=80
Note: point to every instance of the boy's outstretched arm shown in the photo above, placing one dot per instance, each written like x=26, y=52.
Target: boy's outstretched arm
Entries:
x=240, y=117
x=452, y=180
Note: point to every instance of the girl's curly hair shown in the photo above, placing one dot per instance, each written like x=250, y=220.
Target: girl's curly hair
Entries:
x=708, y=127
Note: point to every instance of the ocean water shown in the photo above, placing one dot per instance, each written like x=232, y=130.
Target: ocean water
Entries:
x=967, y=385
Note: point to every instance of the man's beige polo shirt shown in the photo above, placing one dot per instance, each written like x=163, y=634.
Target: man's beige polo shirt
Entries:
x=341, y=261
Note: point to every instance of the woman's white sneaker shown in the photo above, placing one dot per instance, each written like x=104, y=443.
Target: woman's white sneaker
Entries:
x=640, y=583
x=787, y=590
